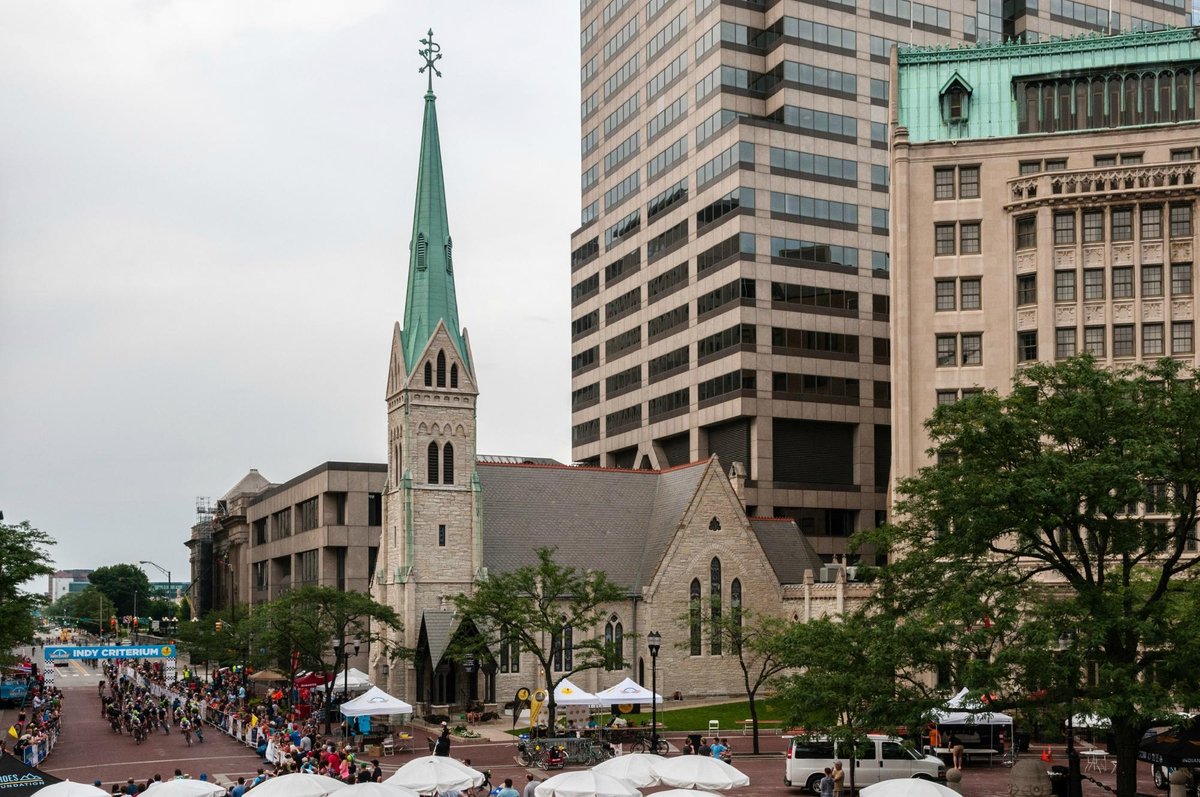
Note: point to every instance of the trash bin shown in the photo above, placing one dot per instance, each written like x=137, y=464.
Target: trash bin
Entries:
x=1022, y=740
x=1059, y=781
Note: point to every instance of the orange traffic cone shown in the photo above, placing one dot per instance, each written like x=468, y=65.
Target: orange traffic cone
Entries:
x=1047, y=756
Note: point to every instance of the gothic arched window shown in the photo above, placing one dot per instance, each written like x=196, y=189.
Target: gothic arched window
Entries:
x=618, y=648
x=428, y=374
x=433, y=463
x=714, y=579
x=694, y=616
x=608, y=645
x=448, y=464
x=454, y=375
x=735, y=606
x=441, y=374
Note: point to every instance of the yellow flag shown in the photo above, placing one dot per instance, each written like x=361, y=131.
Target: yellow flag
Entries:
x=12, y=731
x=253, y=720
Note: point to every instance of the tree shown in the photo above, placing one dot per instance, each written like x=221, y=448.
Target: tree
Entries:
x=854, y=675
x=24, y=555
x=538, y=608
x=203, y=642
x=89, y=608
x=300, y=628
x=1056, y=535
x=120, y=583
x=760, y=644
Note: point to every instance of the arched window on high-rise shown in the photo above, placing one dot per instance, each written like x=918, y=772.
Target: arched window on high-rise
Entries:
x=433, y=463
x=448, y=464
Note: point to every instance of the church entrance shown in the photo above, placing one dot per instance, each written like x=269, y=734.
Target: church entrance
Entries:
x=450, y=681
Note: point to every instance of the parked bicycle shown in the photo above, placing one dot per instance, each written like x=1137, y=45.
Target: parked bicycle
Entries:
x=644, y=743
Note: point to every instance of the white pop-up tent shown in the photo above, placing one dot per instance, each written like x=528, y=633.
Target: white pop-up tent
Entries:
x=972, y=722
x=375, y=703
x=355, y=680
x=628, y=691
x=568, y=694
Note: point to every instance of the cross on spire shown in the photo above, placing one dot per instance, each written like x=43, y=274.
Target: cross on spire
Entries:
x=432, y=54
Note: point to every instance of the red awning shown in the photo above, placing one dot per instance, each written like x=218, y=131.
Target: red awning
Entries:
x=313, y=679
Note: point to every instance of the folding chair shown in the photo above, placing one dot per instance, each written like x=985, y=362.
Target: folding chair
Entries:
x=389, y=746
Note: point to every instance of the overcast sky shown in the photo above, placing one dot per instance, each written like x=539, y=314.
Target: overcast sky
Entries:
x=205, y=209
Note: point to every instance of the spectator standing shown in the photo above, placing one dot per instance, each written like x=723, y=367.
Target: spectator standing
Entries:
x=508, y=790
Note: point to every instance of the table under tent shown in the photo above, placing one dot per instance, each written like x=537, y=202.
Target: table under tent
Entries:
x=984, y=733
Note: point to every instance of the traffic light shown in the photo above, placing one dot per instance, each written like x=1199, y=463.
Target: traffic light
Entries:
x=112, y=623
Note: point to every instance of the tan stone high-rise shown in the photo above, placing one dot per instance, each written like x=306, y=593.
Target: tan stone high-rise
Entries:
x=1044, y=200
x=729, y=280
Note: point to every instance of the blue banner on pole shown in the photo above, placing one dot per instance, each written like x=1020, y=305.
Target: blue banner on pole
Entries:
x=75, y=652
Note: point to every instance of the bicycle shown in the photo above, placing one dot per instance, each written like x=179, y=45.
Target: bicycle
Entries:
x=644, y=743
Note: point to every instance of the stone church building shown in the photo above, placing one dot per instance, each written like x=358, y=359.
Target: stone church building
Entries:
x=451, y=517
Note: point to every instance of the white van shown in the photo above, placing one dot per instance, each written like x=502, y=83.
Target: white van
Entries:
x=885, y=758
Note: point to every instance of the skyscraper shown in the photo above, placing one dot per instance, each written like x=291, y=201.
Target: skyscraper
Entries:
x=729, y=278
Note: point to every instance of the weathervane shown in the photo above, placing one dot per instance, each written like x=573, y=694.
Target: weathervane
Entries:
x=432, y=54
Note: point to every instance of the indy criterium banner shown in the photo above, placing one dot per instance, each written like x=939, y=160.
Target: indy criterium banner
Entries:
x=71, y=652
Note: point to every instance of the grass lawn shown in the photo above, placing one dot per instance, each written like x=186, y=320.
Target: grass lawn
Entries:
x=729, y=715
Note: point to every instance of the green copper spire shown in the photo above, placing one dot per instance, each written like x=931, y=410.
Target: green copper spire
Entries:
x=430, y=262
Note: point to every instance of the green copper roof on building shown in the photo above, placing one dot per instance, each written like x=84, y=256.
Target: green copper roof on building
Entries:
x=987, y=73
x=430, y=259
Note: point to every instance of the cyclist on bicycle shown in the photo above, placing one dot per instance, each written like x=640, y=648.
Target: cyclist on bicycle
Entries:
x=185, y=727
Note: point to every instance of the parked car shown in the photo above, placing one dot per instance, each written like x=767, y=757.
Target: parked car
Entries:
x=885, y=758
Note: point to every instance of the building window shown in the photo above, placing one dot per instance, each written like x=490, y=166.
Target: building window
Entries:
x=433, y=464
x=1181, y=337
x=1122, y=224
x=943, y=183
x=944, y=295
x=510, y=652
x=735, y=606
x=1093, y=341
x=947, y=351
x=1122, y=341
x=428, y=374
x=1026, y=346
x=1181, y=279
x=714, y=579
x=1151, y=222
x=972, y=349
x=374, y=509
x=1152, y=281
x=943, y=239
x=454, y=375
x=970, y=293
x=1064, y=343
x=1093, y=226
x=448, y=464
x=1181, y=221
x=1064, y=286
x=1027, y=289
x=442, y=535
x=1064, y=228
x=968, y=182
x=945, y=397
x=694, y=616
x=968, y=238
x=306, y=514
x=1122, y=282
x=1093, y=283
x=441, y=369
x=1152, y=339
x=1027, y=232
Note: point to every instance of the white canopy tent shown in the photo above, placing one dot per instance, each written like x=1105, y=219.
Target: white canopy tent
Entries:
x=356, y=682
x=972, y=722
x=568, y=694
x=374, y=703
x=628, y=691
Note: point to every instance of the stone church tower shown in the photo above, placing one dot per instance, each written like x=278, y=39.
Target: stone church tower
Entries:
x=431, y=546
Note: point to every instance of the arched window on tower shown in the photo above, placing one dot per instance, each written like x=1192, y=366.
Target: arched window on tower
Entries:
x=428, y=374
x=433, y=462
x=441, y=375
x=454, y=375
x=694, y=615
x=735, y=607
x=714, y=578
x=448, y=464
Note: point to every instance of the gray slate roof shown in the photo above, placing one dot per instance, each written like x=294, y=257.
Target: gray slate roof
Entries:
x=439, y=626
x=252, y=483
x=620, y=521
x=788, y=550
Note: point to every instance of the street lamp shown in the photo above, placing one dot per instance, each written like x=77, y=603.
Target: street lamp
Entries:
x=161, y=569
x=654, y=640
x=1074, y=775
x=341, y=650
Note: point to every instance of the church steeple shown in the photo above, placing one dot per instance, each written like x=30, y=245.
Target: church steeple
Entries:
x=430, y=296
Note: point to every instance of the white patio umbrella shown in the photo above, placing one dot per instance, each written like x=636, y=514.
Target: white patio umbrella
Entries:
x=699, y=772
x=633, y=768
x=186, y=788
x=69, y=789
x=907, y=787
x=374, y=790
x=432, y=773
x=298, y=784
x=585, y=783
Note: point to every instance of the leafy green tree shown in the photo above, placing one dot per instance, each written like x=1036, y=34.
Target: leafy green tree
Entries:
x=1053, y=545
x=532, y=606
x=24, y=555
x=89, y=609
x=299, y=629
x=213, y=639
x=183, y=612
x=120, y=583
x=853, y=675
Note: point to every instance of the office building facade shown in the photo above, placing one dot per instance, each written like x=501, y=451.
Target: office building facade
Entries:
x=730, y=277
